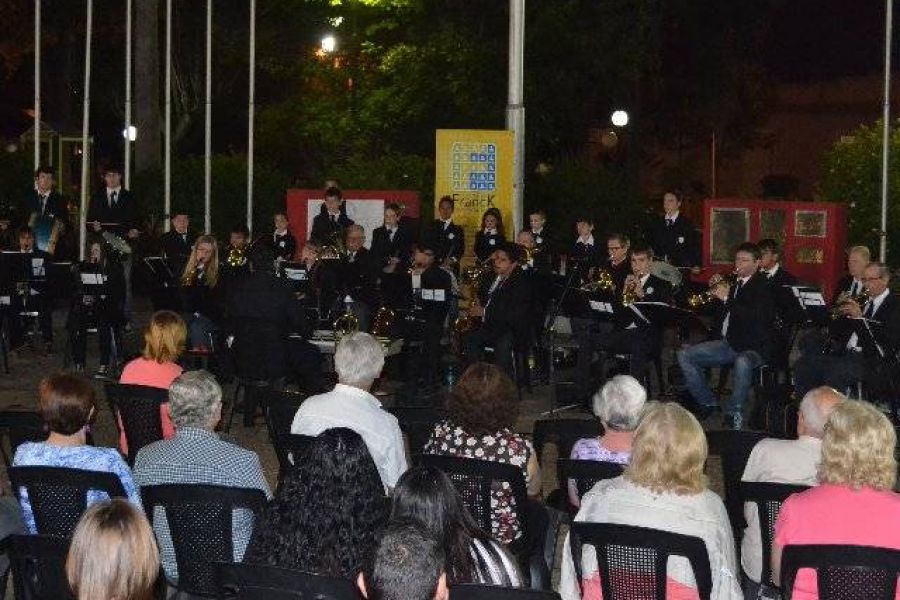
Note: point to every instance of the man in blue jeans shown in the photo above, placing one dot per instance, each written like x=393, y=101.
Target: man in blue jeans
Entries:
x=742, y=337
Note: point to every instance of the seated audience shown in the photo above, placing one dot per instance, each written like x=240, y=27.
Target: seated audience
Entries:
x=157, y=366
x=855, y=502
x=196, y=455
x=325, y=516
x=427, y=495
x=67, y=407
x=663, y=488
x=409, y=565
x=784, y=461
x=358, y=361
x=619, y=405
x=113, y=554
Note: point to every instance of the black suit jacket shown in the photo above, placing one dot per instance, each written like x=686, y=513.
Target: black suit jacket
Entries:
x=752, y=320
x=486, y=244
x=359, y=278
x=787, y=308
x=449, y=242
x=656, y=289
x=586, y=256
x=383, y=248
x=508, y=308
x=284, y=246
x=55, y=207
x=886, y=331
x=324, y=230
x=679, y=243
x=124, y=211
x=177, y=250
x=436, y=278
x=843, y=285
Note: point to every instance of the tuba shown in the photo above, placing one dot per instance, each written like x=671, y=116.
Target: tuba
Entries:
x=381, y=324
x=345, y=324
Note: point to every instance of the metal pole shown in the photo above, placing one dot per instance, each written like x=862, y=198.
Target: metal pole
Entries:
x=85, y=126
x=515, y=109
x=127, y=165
x=713, y=168
x=207, y=157
x=37, y=84
x=251, y=108
x=167, y=168
x=886, y=142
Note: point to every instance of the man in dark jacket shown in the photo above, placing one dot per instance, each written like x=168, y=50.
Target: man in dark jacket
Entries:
x=44, y=208
x=673, y=237
x=329, y=225
x=446, y=237
x=742, y=335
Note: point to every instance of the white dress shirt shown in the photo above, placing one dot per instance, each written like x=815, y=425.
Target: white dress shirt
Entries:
x=588, y=241
x=775, y=461
x=743, y=281
x=356, y=409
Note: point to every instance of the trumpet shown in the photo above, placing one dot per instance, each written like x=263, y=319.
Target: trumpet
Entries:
x=715, y=282
x=599, y=280
x=629, y=291
x=846, y=298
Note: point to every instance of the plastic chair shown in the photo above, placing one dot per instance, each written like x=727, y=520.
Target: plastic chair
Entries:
x=474, y=591
x=768, y=498
x=138, y=407
x=632, y=560
x=418, y=422
x=843, y=572
x=586, y=474
x=289, y=449
x=280, y=408
x=199, y=519
x=564, y=433
x=58, y=495
x=734, y=448
x=236, y=581
x=16, y=427
x=38, y=564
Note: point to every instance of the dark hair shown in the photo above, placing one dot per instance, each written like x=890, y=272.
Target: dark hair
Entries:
x=496, y=214
x=512, y=250
x=26, y=230
x=262, y=259
x=749, y=248
x=538, y=211
x=408, y=564
x=769, y=245
x=44, y=169
x=66, y=402
x=676, y=193
x=483, y=401
x=112, y=167
x=427, y=495
x=394, y=207
x=642, y=249
x=241, y=229
x=447, y=200
x=623, y=239
x=325, y=516
x=333, y=192
x=584, y=219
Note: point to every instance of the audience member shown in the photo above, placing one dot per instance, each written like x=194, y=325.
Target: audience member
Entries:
x=619, y=405
x=113, y=554
x=325, y=516
x=196, y=455
x=784, y=461
x=409, y=565
x=67, y=407
x=855, y=502
x=157, y=366
x=427, y=495
x=358, y=361
x=663, y=488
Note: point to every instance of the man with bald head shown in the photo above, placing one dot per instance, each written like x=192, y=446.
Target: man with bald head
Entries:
x=785, y=461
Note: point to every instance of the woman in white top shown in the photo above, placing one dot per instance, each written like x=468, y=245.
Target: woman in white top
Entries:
x=663, y=488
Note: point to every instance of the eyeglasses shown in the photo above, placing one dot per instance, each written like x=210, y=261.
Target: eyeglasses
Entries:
x=864, y=279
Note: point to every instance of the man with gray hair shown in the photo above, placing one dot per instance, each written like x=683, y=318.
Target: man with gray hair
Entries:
x=196, y=455
x=785, y=461
x=358, y=361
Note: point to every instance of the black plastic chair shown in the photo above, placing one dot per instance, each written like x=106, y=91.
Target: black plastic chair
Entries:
x=289, y=449
x=564, y=433
x=768, y=498
x=585, y=473
x=199, y=519
x=58, y=495
x=17, y=427
x=733, y=447
x=632, y=560
x=474, y=591
x=280, y=408
x=843, y=572
x=236, y=581
x=38, y=564
x=138, y=407
x=418, y=422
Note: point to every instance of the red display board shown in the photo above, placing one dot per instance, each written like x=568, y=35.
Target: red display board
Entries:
x=365, y=207
x=812, y=235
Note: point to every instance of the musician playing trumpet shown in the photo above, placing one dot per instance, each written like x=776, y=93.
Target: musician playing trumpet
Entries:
x=431, y=287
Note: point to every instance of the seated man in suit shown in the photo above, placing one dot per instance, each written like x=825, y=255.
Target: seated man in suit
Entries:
x=359, y=276
x=743, y=337
x=858, y=257
x=504, y=311
x=859, y=349
x=177, y=243
x=787, y=309
x=29, y=271
x=431, y=288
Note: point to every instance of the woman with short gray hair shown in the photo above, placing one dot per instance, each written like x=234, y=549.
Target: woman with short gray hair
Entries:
x=619, y=405
x=195, y=400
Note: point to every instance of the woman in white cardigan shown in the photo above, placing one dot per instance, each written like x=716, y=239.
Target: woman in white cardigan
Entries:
x=664, y=488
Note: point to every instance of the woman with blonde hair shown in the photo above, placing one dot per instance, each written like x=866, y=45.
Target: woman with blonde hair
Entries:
x=199, y=292
x=663, y=488
x=113, y=555
x=164, y=341
x=854, y=503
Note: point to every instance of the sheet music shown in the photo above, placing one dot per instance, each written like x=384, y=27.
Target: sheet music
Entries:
x=37, y=267
x=93, y=279
x=427, y=294
x=416, y=281
x=604, y=307
x=808, y=297
x=295, y=274
x=5, y=301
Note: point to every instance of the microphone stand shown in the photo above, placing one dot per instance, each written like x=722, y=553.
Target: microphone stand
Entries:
x=549, y=332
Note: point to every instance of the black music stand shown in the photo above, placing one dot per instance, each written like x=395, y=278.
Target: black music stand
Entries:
x=812, y=304
x=159, y=267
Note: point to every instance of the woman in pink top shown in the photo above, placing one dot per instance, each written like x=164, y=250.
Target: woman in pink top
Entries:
x=164, y=341
x=854, y=503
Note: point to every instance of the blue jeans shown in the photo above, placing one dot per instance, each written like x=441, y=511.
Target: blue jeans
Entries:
x=715, y=354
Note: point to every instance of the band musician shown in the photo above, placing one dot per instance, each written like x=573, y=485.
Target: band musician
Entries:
x=33, y=294
x=490, y=236
x=446, y=237
x=359, y=276
x=673, y=238
x=391, y=247
x=742, y=333
x=329, y=225
x=283, y=242
x=46, y=211
x=431, y=289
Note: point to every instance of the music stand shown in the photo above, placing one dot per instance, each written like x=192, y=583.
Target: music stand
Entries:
x=811, y=302
x=159, y=267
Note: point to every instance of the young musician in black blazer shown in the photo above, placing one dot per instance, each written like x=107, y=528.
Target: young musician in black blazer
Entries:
x=282, y=242
x=39, y=297
x=177, y=243
x=537, y=222
x=45, y=204
x=853, y=354
x=491, y=234
x=673, y=237
x=391, y=246
x=446, y=237
x=787, y=310
x=743, y=336
x=332, y=221
x=617, y=259
x=201, y=302
x=431, y=290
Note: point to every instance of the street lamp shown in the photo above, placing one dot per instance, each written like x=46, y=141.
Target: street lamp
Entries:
x=328, y=44
x=619, y=118
x=130, y=133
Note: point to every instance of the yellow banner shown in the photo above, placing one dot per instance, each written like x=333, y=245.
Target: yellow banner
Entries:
x=475, y=168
